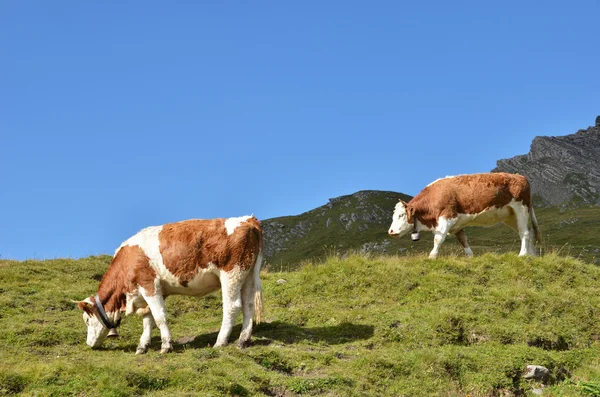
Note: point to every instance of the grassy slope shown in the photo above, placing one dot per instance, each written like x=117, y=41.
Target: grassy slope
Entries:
x=572, y=231
x=381, y=326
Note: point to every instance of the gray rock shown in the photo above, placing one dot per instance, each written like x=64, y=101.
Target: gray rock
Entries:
x=536, y=372
x=561, y=168
x=375, y=247
x=281, y=281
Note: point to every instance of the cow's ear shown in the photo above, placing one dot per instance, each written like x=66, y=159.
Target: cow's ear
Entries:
x=86, y=307
x=410, y=212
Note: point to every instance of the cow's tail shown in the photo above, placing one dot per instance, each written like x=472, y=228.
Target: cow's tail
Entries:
x=536, y=228
x=258, y=298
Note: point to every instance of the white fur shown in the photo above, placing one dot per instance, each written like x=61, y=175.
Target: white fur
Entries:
x=147, y=240
x=96, y=331
x=232, y=223
x=400, y=225
x=446, y=177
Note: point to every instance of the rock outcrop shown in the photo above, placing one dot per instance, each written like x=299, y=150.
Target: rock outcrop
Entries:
x=561, y=169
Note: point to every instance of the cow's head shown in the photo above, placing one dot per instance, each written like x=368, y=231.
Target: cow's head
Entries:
x=96, y=330
x=400, y=220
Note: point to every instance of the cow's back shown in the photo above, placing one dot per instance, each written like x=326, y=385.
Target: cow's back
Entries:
x=189, y=246
x=474, y=193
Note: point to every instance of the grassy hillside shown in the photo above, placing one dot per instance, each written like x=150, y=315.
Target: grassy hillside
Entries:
x=403, y=326
x=359, y=223
x=345, y=223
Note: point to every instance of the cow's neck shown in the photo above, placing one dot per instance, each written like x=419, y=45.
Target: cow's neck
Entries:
x=425, y=218
x=112, y=291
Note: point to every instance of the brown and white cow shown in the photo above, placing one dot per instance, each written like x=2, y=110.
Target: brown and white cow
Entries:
x=193, y=257
x=450, y=204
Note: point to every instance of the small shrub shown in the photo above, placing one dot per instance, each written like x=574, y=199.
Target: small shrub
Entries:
x=12, y=384
x=273, y=361
x=143, y=381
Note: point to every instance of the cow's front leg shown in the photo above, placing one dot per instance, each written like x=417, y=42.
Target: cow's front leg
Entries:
x=148, y=322
x=441, y=231
x=231, y=287
x=156, y=303
x=461, y=236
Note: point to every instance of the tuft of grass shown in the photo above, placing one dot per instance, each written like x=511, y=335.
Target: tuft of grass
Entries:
x=347, y=325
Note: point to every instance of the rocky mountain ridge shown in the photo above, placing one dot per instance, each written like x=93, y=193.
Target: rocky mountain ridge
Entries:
x=561, y=169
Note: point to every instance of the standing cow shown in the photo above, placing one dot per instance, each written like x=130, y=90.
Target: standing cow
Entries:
x=193, y=257
x=450, y=204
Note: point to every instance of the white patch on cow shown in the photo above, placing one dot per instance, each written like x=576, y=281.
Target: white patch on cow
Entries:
x=232, y=223
x=441, y=232
x=96, y=331
x=231, y=286
x=203, y=283
x=135, y=303
x=487, y=217
x=400, y=210
x=400, y=225
x=439, y=179
x=147, y=239
x=523, y=217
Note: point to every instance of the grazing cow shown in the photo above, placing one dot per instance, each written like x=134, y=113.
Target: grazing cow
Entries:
x=450, y=204
x=193, y=257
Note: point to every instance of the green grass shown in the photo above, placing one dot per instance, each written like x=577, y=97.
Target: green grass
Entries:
x=359, y=326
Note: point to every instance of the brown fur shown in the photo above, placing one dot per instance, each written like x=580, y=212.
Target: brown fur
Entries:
x=129, y=268
x=188, y=246
x=86, y=307
x=467, y=194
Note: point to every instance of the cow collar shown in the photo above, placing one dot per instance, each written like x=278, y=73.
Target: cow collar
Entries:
x=103, y=317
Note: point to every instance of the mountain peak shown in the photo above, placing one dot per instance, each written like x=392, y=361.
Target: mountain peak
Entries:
x=561, y=168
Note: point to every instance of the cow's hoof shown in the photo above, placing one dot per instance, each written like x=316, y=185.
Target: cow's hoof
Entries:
x=243, y=343
x=167, y=349
x=141, y=350
x=219, y=344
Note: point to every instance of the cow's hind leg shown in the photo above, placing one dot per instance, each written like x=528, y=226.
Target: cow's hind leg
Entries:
x=522, y=217
x=156, y=303
x=462, y=239
x=247, y=310
x=231, y=287
x=148, y=322
x=441, y=231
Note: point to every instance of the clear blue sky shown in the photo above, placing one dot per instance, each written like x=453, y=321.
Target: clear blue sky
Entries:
x=119, y=115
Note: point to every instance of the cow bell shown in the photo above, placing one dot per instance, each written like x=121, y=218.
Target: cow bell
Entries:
x=415, y=236
x=112, y=333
